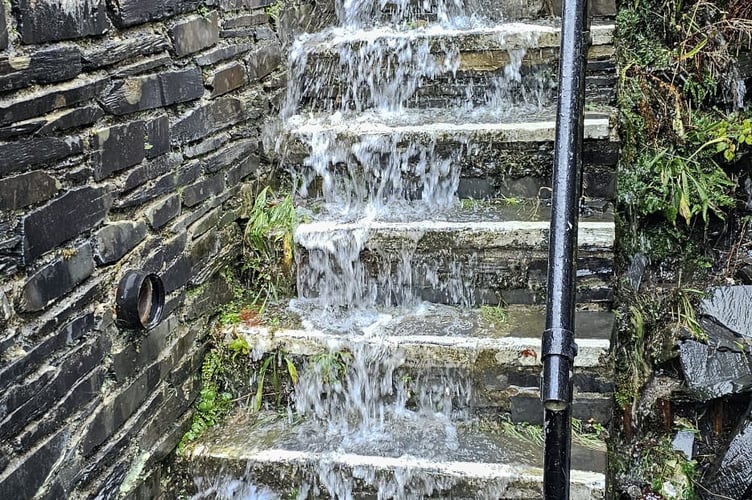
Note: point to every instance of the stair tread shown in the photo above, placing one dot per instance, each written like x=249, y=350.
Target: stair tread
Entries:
x=443, y=335
x=526, y=126
x=475, y=454
x=501, y=36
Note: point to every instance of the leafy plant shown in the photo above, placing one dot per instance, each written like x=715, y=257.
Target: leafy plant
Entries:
x=494, y=314
x=269, y=374
x=268, y=245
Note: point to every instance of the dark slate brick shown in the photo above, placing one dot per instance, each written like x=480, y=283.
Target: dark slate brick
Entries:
x=227, y=78
x=174, y=246
x=230, y=155
x=158, y=137
x=242, y=169
x=185, y=174
x=207, y=119
x=253, y=19
x=177, y=275
x=153, y=91
x=44, y=21
x=263, y=61
x=196, y=193
x=119, y=147
x=205, y=223
x=114, y=51
x=75, y=212
x=222, y=53
x=44, y=350
x=26, y=127
x=30, y=473
x=143, y=66
x=113, y=415
x=163, y=211
x=132, y=12
x=79, y=396
x=143, y=351
x=27, y=189
x=247, y=32
x=207, y=298
x=203, y=248
x=18, y=108
x=114, y=240
x=3, y=28
x=151, y=170
x=56, y=279
x=244, y=4
x=207, y=145
x=48, y=65
x=195, y=34
x=71, y=118
x=75, y=367
x=21, y=155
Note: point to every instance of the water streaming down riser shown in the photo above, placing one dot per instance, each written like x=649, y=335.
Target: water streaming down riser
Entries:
x=391, y=117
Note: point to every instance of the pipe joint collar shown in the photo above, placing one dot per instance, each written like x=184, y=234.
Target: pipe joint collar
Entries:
x=559, y=342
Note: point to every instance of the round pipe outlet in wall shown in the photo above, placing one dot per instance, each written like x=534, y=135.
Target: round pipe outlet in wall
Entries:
x=140, y=300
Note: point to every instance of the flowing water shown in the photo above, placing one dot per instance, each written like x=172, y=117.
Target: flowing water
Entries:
x=357, y=101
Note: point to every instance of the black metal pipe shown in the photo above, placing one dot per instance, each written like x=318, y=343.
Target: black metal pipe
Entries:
x=559, y=348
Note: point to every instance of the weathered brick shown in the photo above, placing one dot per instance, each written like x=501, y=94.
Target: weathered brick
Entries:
x=143, y=66
x=79, y=396
x=118, y=147
x=207, y=145
x=48, y=65
x=71, y=118
x=253, y=19
x=114, y=51
x=3, y=28
x=132, y=12
x=29, y=474
x=115, y=240
x=117, y=410
x=158, y=136
x=177, y=275
x=75, y=367
x=153, y=91
x=263, y=61
x=207, y=298
x=151, y=170
x=56, y=279
x=18, y=108
x=51, y=20
x=143, y=351
x=242, y=169
x=26, y=127
x=195, y=34
x=163, y=211
x=206, y=119
x=196, y=193
x=45, y=349
x=244, y=4
x=227, y=78
x=205, y=223
x=230, y=155
x=70, y=215
x=222, y=53
x=204, y=247
x=184, y=174
x=27, y=189
x=21, y=155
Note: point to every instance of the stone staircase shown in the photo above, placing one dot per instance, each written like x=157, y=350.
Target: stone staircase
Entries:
x=420, y=139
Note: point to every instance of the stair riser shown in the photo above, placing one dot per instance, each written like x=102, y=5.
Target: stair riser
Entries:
x=283, y=472
x=479, y=81
x=462, y=276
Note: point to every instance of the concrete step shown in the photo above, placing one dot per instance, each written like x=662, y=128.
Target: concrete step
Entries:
x=474, y=255
x=434, y=154
x=411, y=456
x=508, y=64
x=442, y=358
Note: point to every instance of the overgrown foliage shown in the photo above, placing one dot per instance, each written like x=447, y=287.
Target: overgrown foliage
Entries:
x=685, y=135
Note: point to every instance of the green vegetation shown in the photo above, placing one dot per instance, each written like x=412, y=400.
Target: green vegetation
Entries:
x=497, y=315
x=683, y=147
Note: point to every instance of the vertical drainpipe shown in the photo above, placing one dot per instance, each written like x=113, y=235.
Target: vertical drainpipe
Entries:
x=558, y=346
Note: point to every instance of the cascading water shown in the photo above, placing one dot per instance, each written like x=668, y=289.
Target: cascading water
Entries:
x=373, y=156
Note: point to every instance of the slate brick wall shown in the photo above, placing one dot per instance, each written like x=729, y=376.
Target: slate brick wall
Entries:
x=127, y=130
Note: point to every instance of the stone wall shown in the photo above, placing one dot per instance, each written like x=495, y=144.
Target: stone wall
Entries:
x=127, y=130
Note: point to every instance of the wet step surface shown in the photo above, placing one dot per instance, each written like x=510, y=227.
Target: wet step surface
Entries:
x=408, y=456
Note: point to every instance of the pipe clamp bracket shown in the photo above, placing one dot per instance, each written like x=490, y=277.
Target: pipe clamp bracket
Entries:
x=559, y=342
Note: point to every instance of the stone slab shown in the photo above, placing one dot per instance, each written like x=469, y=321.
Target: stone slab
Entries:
x=52, y=20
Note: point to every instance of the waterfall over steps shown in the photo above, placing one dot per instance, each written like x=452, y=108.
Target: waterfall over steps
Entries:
x=419, y=138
